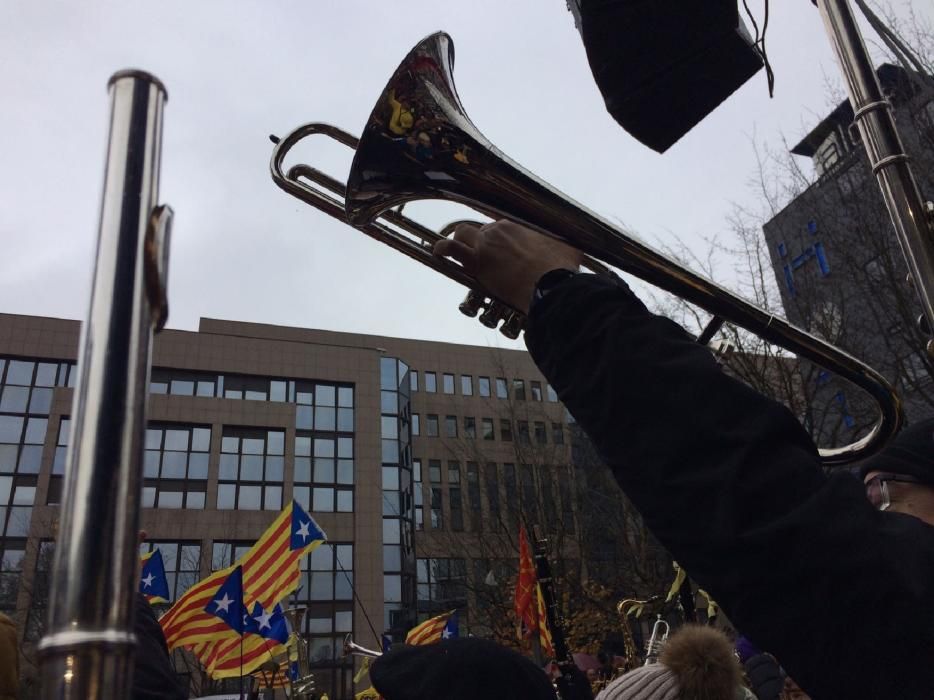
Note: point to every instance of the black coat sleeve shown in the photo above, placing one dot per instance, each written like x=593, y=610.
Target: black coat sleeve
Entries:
x=731, y=484
x=153, y=675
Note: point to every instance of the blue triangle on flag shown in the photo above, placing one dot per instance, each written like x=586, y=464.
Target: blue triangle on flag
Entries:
x=304, y=529
x=227, y=602
x=451, y=628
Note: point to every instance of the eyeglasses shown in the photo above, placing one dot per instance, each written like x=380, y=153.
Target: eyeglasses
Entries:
x=877, y=489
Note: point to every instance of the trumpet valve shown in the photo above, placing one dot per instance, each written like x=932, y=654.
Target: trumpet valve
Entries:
x=514, y=325
x=494, y=313
x=472, y=304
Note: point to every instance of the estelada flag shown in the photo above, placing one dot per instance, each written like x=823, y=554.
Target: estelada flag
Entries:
x=525, y=590
x=153, y=583
x=430, y=631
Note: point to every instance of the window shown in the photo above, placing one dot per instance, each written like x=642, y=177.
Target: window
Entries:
x=431, y=425
x=224, y=554
x=54, y=494
x=325, y=590
x=434, y=471
x=182, y=562
x=415, y=426
x=505, y=430
x=251, y=469
x=185, y=383
x=450, y=426
x=466, y=385
x=324, y=472
x=488, y=429
x=501, y=392
x=448, y=383
x=557, y=433
x=541, y=436
x=417, y=494
x=413, y=380
x=470, y=427
x=550, y=392
x=523, y=430
x=437, y=518
x=11, y=572
x=518, y=389
x=473, y=496
x=175, y=466
x=325, y=407
x=454, y=472
x=39, y=600
x=484, y=386
x=491, y=479
x=431, y=382
x=456, y=509
x=536, y=391
x=442, y=585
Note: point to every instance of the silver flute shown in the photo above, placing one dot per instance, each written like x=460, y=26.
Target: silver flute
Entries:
x=87, y=651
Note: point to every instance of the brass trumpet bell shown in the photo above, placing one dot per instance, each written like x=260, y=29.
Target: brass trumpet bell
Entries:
x=419, y=144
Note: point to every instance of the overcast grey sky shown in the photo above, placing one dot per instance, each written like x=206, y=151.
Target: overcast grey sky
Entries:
x=237, y=71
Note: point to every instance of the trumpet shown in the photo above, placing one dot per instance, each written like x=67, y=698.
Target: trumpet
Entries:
x=351, y=648
x=420, y=144
x=659, y=636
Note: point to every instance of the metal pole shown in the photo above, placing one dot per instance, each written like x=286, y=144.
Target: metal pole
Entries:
x=873, y=115
x=87, y=651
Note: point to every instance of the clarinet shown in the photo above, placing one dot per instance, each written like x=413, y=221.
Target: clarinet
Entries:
x=571, y=684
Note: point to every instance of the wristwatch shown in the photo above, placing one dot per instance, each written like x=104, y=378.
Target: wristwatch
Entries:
x=549, y=281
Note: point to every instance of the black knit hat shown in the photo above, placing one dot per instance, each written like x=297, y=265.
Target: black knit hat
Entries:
x=911, y=453
x=458, y=669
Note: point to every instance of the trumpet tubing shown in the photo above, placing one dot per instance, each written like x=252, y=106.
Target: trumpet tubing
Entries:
x=419, y=144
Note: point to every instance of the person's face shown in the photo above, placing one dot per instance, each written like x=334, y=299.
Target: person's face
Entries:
x=908, y=497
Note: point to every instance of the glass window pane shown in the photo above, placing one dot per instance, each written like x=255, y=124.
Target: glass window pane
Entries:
x=325, y=395
x=343, y=621
x=200, y=439
x=8, y=458
x=41, y=401
x=196, y=500
x=390, y=531
x=324, y=448
x=174, y=465
x=230, y=444
x=273, y=498
x=24, y=495
x=390, y=451
x=277, y=390
x=304, y=417
x=344, y=501
x=30, y=459
x=205, y=389
x=413, y=380
x=392, y=588
x=431, y=382
x=275, y=442
x=345, y=397
x=176, y=439
x=345, y=447
x=391, y=503
x=274, y=468
x=302, y=470
x=153, y=438
x=226, y=496
x=35, y=431
x=149, y=497
x=252, y=446
x=345, y=471
x=228, y=466
x=302, y=494
x=323, y=500
x=251, y=468
x=390, y=478
x=302, y=446
x=390, y=427
x=484, y=386
x=19, y=372
x=6, y=486
x=181, y=387
x=324, y=470
x=325, y=418
x=466, y=385
x=387, y=373
x=322, y=586
x=198, y=465
x=392, y=558
x=45, y=374
x=448, y=383
x=388, y=402
x=343, y=585
x=14, y=399
x=345, y=420
x=170, y=499
x=250, y=498
x=18, y=524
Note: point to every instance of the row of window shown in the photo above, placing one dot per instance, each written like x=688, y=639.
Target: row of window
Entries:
x=250, y=388
x=485, y=386
x=524, y=433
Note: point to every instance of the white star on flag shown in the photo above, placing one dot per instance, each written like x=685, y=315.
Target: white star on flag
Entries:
x=303, y=531
x=223, y=604
x=445, y=633
x=263, y=619
x=147, y=582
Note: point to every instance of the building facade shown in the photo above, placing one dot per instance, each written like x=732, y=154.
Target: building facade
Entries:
x=418, y=459
x=838, y=265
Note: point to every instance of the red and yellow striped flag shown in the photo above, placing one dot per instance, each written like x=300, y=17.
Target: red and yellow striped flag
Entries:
x=222, y=658
x=544, y=634
x=428, y=632
x=270, y=573
x=526, y=585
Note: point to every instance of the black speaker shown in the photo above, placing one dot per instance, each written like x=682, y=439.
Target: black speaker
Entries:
x=664, y=65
